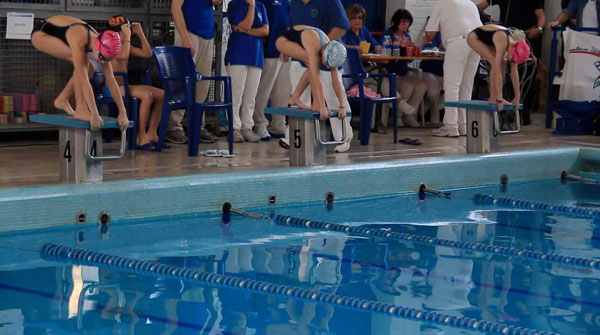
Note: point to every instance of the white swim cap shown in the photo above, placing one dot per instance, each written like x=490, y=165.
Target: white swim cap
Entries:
x=335, y=54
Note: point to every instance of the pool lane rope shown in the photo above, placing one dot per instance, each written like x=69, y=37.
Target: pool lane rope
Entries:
x=565, y=210
x=65, y=254
x=289, y=221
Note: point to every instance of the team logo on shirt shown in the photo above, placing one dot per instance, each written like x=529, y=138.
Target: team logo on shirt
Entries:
x=276, y=3
x=314, y=13
x=260, y=18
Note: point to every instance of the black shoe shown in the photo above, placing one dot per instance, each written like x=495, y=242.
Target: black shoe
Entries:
x=207, y=137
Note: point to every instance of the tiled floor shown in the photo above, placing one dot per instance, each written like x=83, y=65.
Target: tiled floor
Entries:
x=29, y=163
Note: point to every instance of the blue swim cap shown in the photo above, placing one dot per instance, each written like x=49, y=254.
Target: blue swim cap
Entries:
x=335, y=54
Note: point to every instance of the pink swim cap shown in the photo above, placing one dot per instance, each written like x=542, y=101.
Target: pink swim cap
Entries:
x=520, y=52
x=108, y=43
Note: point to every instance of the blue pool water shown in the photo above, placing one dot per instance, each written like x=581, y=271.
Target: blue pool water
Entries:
x=58, y=296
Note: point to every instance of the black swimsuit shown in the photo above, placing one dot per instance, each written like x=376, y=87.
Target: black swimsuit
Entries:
x=487, y=36
x=60, y=32
x=294, y=35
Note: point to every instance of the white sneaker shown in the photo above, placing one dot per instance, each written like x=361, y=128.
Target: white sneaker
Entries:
x=405, y=108
x=446, y=131
x=462, y=129
x=343, y=147
x=262, y=133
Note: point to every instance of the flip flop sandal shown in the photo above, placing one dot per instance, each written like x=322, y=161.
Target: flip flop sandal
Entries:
x=146, y=147
x=283, y=144
x=225, y=154
x=410, y=141
x=211, y=153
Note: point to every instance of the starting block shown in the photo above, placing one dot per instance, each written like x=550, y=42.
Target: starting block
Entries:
x=306, y=134
x=483, y=125
x=79, y=148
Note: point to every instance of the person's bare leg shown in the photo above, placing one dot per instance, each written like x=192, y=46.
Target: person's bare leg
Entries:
x=56, y=48
x=81, y=110
x=62, y=100
x=145, y=97
x=156, y=113
x=295, y=98
x=486, y=52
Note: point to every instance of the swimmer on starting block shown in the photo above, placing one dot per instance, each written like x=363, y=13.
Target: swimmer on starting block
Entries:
x=493, y=42
x=312, y=46
x=70, y=39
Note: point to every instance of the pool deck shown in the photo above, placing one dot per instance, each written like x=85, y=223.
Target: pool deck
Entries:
x=32, y=163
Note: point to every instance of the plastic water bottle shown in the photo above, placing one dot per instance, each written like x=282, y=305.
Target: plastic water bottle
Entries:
x=387, y=45
x=396, y=47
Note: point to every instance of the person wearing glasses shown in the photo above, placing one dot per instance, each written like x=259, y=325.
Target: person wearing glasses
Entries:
x=69, y=38
x=358, y=32
x=411, y=89
x=151, y=98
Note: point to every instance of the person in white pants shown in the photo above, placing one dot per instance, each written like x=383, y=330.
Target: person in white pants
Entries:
x=275, y=85
x=275, y=80
x=244, y=61
x=454, y=19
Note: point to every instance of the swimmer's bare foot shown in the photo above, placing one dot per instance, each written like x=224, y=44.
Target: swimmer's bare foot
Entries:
x=82, y=115
x=123, y=121
x=295, y=101
x=64, y=105
x=96, y=122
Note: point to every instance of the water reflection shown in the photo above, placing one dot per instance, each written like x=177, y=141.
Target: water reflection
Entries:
x=509, y=290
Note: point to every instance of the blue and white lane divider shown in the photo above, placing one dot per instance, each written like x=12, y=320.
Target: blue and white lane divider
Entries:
x=572, y=211
x=289, y=221
x=65, y=254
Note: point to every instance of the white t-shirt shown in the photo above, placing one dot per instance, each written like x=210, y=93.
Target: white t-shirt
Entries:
x=589, y=18
x=453, y=18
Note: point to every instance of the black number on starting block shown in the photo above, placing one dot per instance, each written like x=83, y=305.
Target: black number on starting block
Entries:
x=93, y=150
x=474, y=129
x=67, y=153
x=297, y=139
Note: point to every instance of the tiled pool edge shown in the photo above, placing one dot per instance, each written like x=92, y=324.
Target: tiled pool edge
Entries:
x=57, y=205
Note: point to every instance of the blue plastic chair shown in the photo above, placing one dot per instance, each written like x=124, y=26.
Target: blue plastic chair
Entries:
x=354, y=70
x=132, y=105
x=179, y=76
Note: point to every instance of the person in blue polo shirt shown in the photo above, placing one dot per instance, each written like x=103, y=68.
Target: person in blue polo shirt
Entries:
x=358, y=32
x=194, y=29
x=330, y=17
x=275, y=79
x=244, y=61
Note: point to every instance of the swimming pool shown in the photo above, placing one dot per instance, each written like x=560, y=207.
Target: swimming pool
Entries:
x=394, y=263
